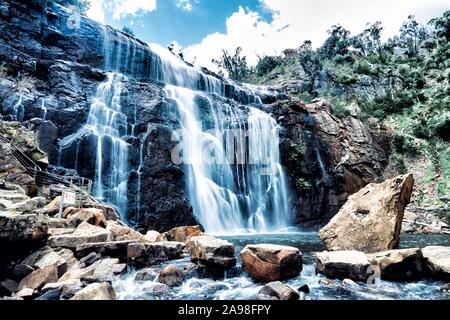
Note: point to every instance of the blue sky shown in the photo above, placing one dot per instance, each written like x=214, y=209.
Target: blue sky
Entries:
x=169, y=22
x=260, y=27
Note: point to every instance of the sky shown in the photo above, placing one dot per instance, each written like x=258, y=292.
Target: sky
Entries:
x=261, y=27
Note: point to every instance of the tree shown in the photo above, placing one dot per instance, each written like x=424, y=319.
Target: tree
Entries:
x=372, y=36
x=235, y=65
x=412, y=35
x=267, y=64
x=128, y=31
x=442, y=26
x=337, y=43
x=311, y=63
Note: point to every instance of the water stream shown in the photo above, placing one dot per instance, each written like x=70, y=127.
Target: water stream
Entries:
x=241, y=287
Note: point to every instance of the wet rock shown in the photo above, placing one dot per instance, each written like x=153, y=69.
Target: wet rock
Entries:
x=159, y=288
x=50, y=295
x=147, y=274
x=8, y=287
x=38, y=278
x=399, y=265
x=445, y=288
x=84, y=233
x=117, y=249
x=304, y=289
x=181, y=234
x=105, y=270
x=438, y=261
x=147, y=254
x=327, y=282
x=343, y=264
x=279, y=291
x=371, y=220
x=212, y=252
x=96, y=291
x=269, y=263
x=171, y=276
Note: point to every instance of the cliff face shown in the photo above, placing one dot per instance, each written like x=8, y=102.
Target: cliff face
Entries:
x=52, y=62
x=327, y=158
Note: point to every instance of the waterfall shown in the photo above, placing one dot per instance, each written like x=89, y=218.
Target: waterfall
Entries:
x=18, y=110
x=109, y=124
x=230, y=148
x=234, y=178
x=44, y=109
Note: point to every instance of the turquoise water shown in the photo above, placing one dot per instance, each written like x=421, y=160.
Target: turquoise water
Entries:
x=241, y=287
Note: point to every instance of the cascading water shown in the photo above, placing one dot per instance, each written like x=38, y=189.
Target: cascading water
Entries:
x=18, y=111
x=233, y=174
x=109, y=124
x=234, y=177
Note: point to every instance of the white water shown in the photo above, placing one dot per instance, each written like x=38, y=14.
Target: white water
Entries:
x=44, y=109
x=18, y=110
x=109, y=124
x=232, y=185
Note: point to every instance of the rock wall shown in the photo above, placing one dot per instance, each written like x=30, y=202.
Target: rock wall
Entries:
x=327, y=158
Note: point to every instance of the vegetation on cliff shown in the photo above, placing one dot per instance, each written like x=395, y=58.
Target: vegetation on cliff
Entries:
x=404, y=82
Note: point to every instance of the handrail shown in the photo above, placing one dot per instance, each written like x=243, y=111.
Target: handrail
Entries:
x=44, y=178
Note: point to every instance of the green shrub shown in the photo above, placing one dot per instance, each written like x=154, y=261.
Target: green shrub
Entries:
x=339, y=110
x=267, y=64
x=302, y=185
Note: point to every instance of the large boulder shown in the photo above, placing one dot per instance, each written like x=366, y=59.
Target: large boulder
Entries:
x=438, y=261
x=40, y=277
x=352, y=265
x=96, y=291
x=171, y=276
x=212, y=252
x=399, y=265
x=371, y=220
x=278, y=291
x=147, y=254
x=84, y=233
x=116, y=249
x=121, y=232
x=182, y=234
x=267, y=263
x=105, y=270
x=90, y=215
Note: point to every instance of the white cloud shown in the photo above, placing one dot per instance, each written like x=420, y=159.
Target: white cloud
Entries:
x=297, y=20
x=119, y=8
x=187, y=5
x=96, y=11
